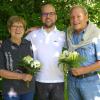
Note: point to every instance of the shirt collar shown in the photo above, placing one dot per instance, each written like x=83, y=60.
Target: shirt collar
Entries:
x=22, y=42
x=52, y=31
x=82, y=32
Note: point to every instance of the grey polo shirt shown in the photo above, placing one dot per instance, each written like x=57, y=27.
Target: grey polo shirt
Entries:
x=10, y=55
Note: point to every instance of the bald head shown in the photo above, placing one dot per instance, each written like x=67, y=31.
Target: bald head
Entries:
x=48, y=6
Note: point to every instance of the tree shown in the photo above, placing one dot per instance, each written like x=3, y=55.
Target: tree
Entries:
x=30, y=10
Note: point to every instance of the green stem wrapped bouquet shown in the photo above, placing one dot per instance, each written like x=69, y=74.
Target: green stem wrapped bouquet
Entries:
x=69, y=60
x=29, y=66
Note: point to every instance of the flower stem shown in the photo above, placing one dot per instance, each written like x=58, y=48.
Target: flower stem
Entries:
x=28, y=84
x=65, y=88
x=65, y=82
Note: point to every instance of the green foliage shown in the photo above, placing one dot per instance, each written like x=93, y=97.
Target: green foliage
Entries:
x=30, y=10
x=24, y=8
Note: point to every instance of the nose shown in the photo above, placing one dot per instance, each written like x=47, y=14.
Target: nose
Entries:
x=75, y=19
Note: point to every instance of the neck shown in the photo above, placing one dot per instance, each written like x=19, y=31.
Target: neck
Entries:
x=80, y=30
x=16, y=41
x=48, y=29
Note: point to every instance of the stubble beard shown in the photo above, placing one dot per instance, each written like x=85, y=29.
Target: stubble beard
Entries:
x=50, y=25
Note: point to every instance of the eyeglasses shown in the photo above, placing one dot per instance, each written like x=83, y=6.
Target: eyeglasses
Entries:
x=48, y=14
x=14, y=26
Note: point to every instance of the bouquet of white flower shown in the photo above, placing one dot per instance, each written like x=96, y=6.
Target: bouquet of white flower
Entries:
x=29, y=65
x=69, y=60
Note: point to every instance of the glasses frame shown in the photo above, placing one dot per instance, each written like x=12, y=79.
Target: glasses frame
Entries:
x=48, y=14
x=15, y=27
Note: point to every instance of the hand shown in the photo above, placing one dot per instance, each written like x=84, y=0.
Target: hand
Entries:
x=32, y=29
x=0, y=42
x=27, y=77
x=78, y=71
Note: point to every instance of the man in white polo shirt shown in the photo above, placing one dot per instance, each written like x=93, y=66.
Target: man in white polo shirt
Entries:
x=47, y=43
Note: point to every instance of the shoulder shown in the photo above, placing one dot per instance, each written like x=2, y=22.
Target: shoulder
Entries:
x=33, y=34
x=5, y=42
x=93, y=27
x=61, y=33
x=5, y=45
x=27, y=42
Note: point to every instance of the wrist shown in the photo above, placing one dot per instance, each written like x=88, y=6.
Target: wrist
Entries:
x=21, y=76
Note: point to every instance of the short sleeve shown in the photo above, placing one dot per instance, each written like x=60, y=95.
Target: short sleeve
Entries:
x=2, y=60
x=97, y=49
x=32, y=38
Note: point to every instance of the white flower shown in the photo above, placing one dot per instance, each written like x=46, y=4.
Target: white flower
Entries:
x=36, y=64
x=32, y=64
x=71, y=58
x=28, y=59
x=65, y=53
x=75, y=53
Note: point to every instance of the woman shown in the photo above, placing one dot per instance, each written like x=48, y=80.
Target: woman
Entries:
x=11, y=52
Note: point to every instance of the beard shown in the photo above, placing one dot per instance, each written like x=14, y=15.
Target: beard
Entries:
x=49, y=25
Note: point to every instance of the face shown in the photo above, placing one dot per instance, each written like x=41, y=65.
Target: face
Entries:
x=78, y=19
x=49, y=16
x=17, y=30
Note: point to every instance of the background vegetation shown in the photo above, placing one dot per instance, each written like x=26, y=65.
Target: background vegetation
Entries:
x=30, y=10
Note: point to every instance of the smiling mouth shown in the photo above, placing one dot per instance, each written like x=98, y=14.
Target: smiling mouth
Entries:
x=76, y=23
x=18, y=33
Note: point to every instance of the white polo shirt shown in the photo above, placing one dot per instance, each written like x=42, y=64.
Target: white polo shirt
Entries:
x=47, y=47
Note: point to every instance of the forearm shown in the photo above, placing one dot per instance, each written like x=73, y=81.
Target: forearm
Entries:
x=86, y=69
x=11, y=75
x=93, y=67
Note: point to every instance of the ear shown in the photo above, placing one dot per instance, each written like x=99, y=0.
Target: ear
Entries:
x=56, y=17
x=87, y=17
x=9, y=30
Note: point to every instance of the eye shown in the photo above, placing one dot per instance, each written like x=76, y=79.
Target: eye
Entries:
x=78, y=16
